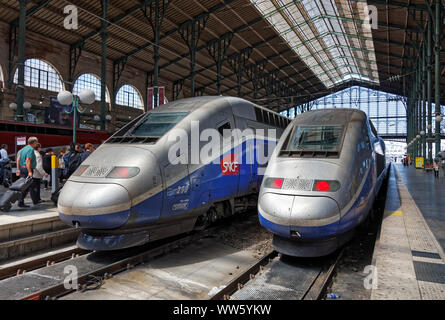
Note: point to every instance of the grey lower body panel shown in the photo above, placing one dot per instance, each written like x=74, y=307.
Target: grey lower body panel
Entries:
x=310, y=248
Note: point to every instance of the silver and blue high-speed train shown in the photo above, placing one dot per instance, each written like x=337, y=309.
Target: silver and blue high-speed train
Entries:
x=321, y=181
x=130, y=192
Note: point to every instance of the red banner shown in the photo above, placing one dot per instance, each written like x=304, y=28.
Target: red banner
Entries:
x=150, y=93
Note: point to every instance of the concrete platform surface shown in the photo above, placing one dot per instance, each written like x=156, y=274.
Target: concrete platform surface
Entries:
x=192, y=272
x=45, y=210
x=429, y=195
x=410, y=262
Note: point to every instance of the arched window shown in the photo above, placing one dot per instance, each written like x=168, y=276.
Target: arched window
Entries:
x=40, y=74
x=129, y=96
x=90, y=81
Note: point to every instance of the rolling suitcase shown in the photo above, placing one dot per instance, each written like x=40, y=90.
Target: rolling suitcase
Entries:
x=21, y=184
x=13, y=194
x=55, y=194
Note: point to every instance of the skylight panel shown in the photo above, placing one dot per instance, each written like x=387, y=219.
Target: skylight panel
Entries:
x=326, y=37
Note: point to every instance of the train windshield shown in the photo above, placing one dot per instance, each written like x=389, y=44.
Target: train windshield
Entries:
x=156, y=124
x=316, y=138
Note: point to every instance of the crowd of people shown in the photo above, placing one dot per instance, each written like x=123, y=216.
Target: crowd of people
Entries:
x=35, y=164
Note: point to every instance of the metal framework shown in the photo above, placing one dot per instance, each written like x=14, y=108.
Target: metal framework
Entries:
x=279, y=53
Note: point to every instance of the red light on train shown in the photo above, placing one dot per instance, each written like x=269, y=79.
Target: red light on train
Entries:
x=322, y=186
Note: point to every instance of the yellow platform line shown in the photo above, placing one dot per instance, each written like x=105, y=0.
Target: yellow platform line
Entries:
x=393, y=213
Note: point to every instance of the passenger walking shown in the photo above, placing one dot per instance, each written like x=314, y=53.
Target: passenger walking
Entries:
x=5, y=169
x=26, y=163
x=89, y=149
x=46, y=164
x=436, y=169
x=37, y=176
x=72, y=161
x=443, y=166
x=61, y=164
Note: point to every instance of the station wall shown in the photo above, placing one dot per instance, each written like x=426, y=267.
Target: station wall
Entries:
x=57, y=54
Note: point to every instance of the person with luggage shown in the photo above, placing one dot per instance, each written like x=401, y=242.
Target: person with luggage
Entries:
x=26, y=163
x=37, y=175
x=5, y=169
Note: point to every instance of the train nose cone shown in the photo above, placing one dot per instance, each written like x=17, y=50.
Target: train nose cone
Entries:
x=94, y=205
x=310, y=216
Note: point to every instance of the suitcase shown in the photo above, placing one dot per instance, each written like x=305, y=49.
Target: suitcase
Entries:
x=21, y=184
x=8, y=199
x=55, y=194
x=14, y=192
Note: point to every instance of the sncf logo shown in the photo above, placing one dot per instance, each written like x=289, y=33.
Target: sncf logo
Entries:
x=230, y=165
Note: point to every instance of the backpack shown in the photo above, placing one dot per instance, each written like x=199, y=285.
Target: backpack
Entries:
x=73, y=163
x=46, y=163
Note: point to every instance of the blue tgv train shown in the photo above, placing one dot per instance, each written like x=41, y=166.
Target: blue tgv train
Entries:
x=321, y=181
x=129, y=192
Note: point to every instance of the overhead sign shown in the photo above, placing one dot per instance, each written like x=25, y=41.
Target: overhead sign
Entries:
x=420, y=162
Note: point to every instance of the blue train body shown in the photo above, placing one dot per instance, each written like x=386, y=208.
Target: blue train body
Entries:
x=165, y=199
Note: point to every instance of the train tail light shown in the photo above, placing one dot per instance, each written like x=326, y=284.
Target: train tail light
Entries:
x=326, y=185
x=274, y=183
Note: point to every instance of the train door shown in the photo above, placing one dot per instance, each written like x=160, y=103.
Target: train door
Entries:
x=177, y=190
x=227, y=171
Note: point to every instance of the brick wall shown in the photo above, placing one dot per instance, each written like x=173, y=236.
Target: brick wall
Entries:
x=57, y=54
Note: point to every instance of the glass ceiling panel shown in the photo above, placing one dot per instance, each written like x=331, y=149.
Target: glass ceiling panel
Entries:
x=329, y=36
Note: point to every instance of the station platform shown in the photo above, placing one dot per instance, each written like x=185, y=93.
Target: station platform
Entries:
x=408, y=254
x=27, y=230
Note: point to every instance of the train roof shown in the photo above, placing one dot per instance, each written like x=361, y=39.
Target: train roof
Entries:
x=331, y=116
x=194, y=103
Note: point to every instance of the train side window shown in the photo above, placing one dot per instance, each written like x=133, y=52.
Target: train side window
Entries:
x=259, y=115
x=225, y=126
x=366, y=139
x=266, y=117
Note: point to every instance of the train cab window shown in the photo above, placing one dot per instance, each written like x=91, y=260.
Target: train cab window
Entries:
x=226, y=126
x=316, y=138
x=156, y=124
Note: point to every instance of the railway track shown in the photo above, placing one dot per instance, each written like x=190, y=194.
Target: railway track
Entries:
x=92, y=268
x=311, y=278
x=31, y=264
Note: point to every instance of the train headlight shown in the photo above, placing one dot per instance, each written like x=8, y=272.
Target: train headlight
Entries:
x=123, y=172
x=274, y=183
x=80, y=171
x=326, y=185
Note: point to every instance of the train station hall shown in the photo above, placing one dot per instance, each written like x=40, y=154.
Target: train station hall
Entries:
x=218, y=153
